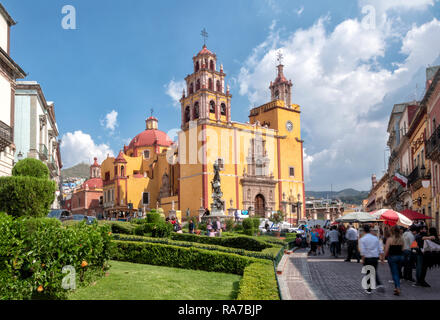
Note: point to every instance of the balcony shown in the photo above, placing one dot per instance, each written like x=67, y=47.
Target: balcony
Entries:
x=6, y=137
x=51, y=163
x=43, y=152
x=432, y=146
x=416, y=176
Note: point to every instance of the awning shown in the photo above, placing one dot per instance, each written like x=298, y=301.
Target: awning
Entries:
x=414, y=215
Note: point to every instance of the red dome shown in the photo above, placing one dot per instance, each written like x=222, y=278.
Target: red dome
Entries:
x=150, y=137
x=93, y=183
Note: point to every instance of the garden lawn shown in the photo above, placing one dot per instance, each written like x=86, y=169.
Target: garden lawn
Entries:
x=131, y=281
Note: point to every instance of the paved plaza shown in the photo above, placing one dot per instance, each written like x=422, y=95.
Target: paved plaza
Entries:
x=324, y=277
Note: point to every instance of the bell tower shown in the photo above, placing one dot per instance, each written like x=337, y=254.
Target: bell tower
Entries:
x=281, y=88
x=206, y=98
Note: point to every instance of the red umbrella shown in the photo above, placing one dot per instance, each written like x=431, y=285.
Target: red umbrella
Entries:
x=414, y=215
x=392, y=217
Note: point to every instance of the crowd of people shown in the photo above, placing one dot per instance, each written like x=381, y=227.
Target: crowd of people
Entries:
x=403, y=248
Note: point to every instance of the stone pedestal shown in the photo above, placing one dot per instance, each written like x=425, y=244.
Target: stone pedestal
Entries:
x=231, y=212
x=201, y=213
x=171, y=214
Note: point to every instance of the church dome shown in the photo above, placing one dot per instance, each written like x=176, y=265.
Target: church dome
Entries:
x=151, y=136
x=93, y=183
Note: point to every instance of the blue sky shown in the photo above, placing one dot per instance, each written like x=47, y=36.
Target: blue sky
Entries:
x=126, y=57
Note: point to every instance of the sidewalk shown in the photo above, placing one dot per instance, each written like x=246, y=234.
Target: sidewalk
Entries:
x=324, y=277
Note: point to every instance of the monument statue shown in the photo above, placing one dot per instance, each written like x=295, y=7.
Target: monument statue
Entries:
x=217, y=205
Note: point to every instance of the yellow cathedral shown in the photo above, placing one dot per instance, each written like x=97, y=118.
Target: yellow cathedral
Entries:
x=260, y=162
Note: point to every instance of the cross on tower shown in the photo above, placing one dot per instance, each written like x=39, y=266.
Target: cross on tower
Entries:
x=280, y=57
x=204, y=34
x=152, y=111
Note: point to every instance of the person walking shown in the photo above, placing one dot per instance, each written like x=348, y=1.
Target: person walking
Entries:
x=219, y=227
x=408, y=239
x=237, y=218
x=314, y=241
x=352, y=237
x=421, y=266
x=321, y=239
x=333, y=237
x=371, y=251
x=394, y=254
x=191, y=226
x=422, y=258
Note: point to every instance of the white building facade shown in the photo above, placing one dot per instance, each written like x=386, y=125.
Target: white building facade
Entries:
x=36, y=130
x=9, y=72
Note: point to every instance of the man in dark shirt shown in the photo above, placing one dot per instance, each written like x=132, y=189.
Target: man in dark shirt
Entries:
x=421, y=266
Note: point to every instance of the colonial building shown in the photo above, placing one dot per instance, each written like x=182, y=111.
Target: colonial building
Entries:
x=377, y=198
x=36, y=134
x=432, y=102
x=261, y=166
x=9, y=72
x=324, y=209
x=88, y=199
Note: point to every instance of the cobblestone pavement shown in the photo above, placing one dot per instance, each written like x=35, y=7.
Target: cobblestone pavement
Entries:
x=324, y=277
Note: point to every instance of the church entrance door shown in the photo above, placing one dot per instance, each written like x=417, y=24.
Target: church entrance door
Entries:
x=260, y=206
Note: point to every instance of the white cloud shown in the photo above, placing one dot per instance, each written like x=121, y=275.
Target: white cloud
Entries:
x=339, y=83
x=79, y=147
x=174, y=89
x=110, y=120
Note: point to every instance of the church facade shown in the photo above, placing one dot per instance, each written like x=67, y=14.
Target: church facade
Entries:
x=260, y=161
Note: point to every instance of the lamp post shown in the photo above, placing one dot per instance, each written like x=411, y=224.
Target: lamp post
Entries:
x=298, y=207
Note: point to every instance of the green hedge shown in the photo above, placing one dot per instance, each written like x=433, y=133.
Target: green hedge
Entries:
x=120, y=226
x=180, y=257
x=153, y=217
x=33, y=252
x=240, y=242
x=258, y=283
x=268, y=254
x=159, y=229
x=26, y=196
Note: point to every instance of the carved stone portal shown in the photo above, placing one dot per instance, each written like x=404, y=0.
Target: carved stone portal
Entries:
x=258, y=185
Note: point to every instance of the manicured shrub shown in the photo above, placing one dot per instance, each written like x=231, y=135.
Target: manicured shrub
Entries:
x=160, y=229
x=241, y=242
x=33, y=252
x=229, y=224
x=258, y=283
x=269, y=253
x=26, y=196
x=180, y=257
x=31, y=167
x=153, y=217
x=120, y=226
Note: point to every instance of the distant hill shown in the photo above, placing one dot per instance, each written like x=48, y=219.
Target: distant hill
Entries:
x=81, y=170
x=350, y=196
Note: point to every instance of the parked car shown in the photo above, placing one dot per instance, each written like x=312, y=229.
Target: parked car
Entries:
x=60, y=214
x=81, y=217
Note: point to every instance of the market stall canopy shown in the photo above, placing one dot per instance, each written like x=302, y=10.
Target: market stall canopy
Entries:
x=414, y=215
x=357, y=217
x=392, y=217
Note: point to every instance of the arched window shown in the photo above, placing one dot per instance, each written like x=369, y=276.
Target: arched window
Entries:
x=187, y=114
x=122, y=171
x=198, y=85
x=197, y=67
x=219, y=86
x=196, y=110
x=223, y=109
x=212, y=107
x=210, y=84
x=211, y=65
x=191, y=88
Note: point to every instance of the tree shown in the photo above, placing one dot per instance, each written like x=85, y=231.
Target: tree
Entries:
x=29, y=192
x=31, y=167
x=277, y=217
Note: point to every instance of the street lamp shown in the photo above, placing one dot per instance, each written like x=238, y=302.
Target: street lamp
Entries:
x=298, y=207
x=20, y=156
